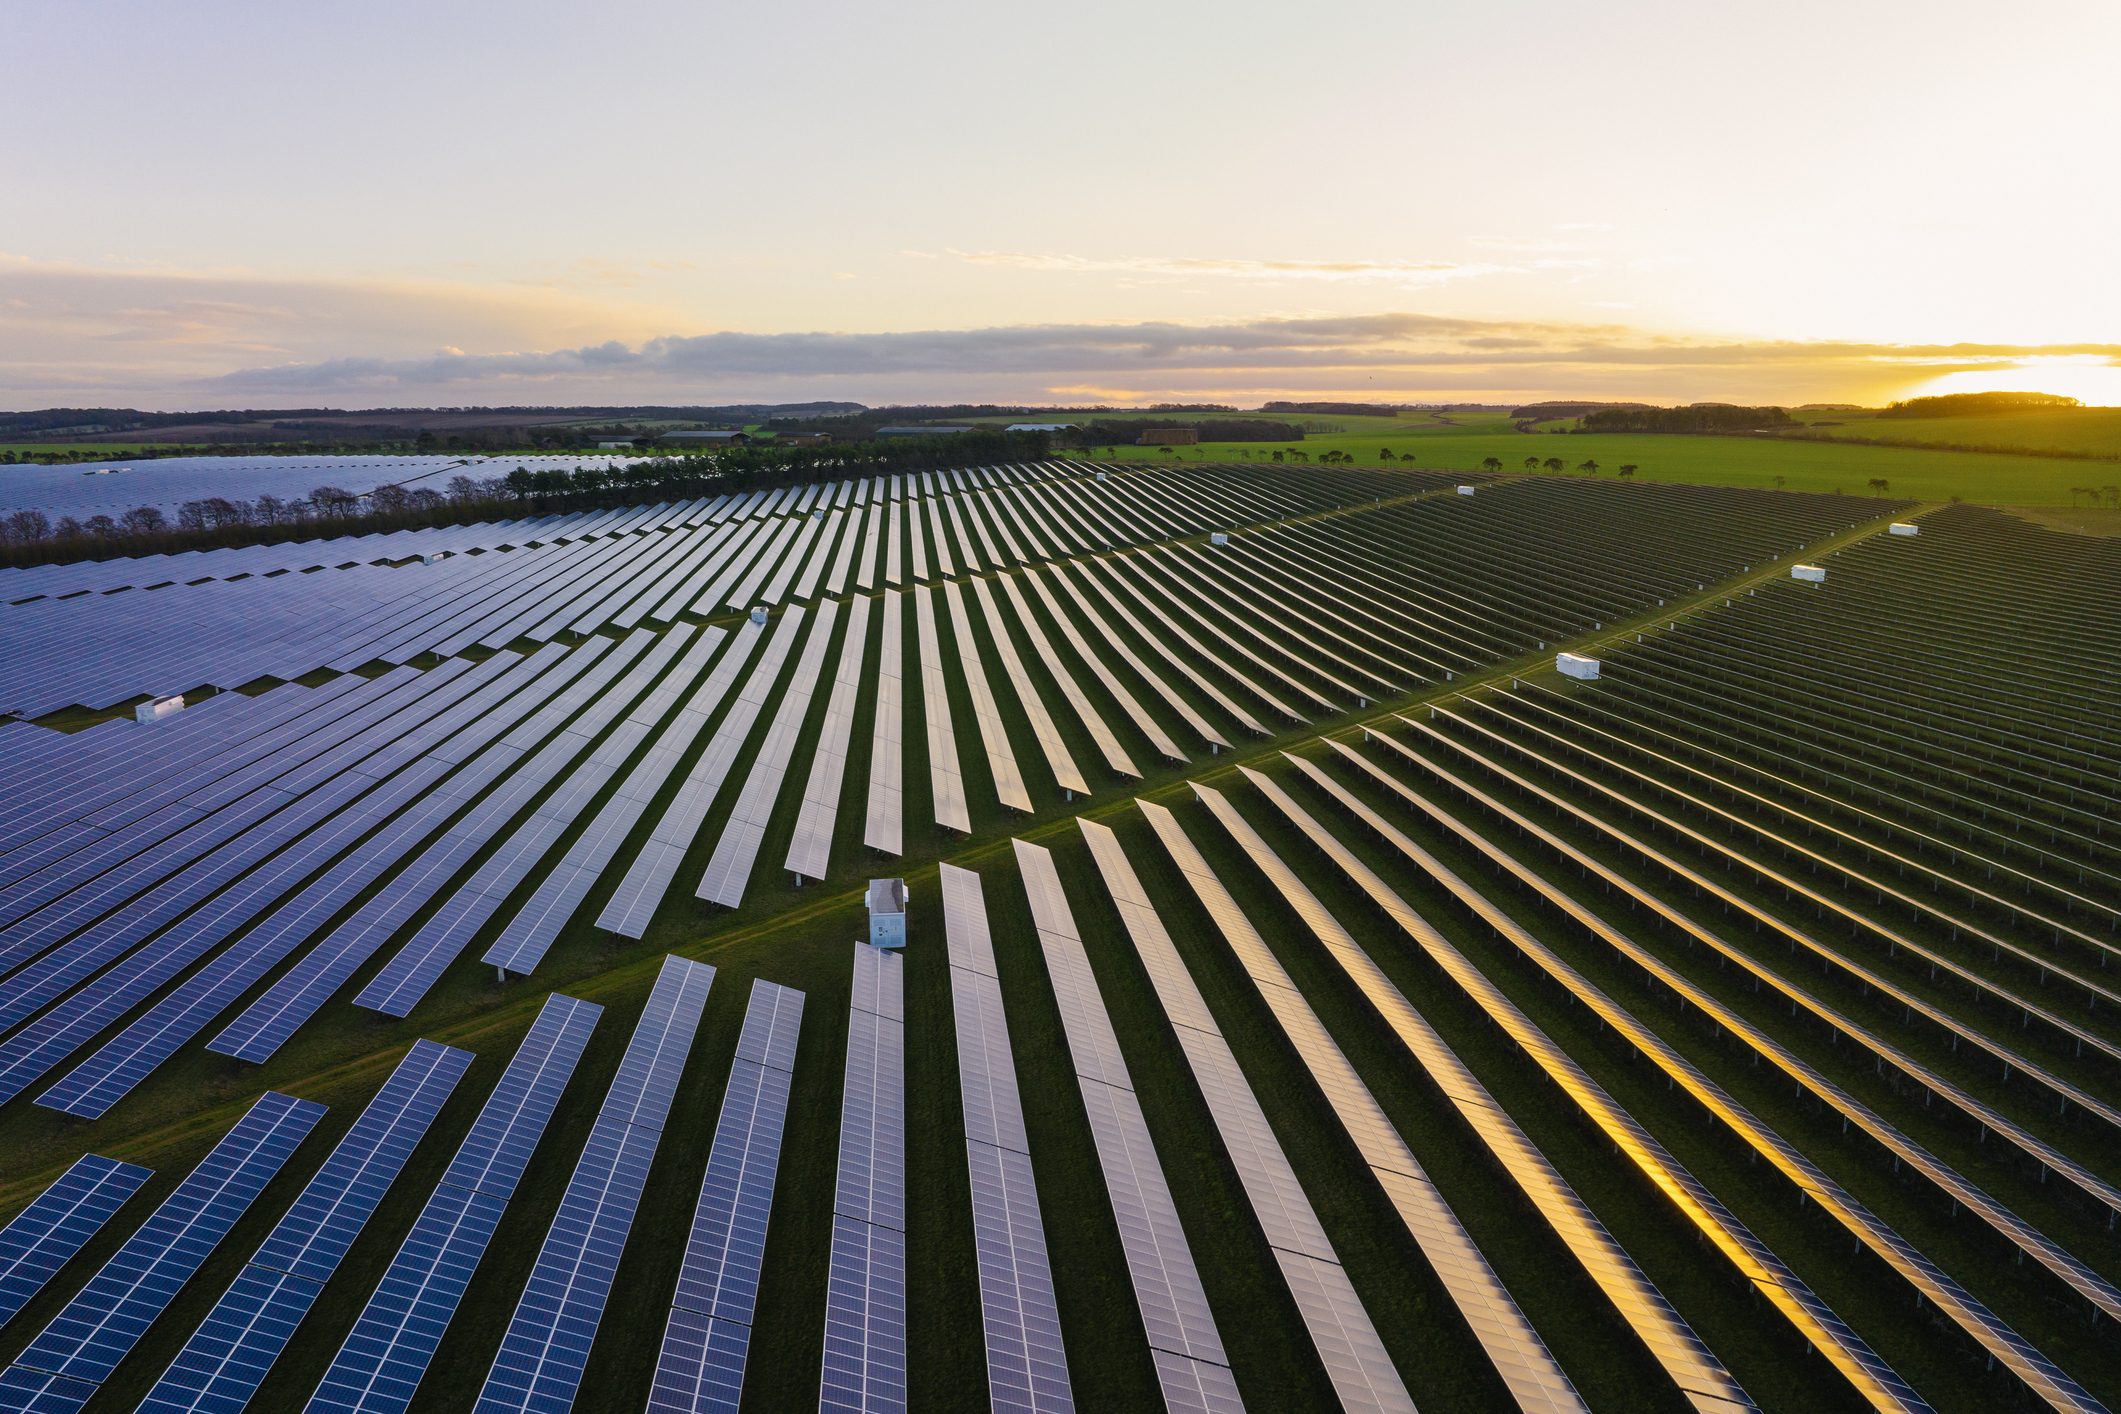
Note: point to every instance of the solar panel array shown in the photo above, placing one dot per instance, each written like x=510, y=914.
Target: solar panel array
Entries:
x=228, y=1356
x=546, y=1347
x=883, y=825
x=62, y=1368
x=745, y=831
x=1192, y=1366
x=1534, y=1377
x=1340, y=1328
x=58, y=1223
x=701, y=1364
x=810, y=848
x=83, y=489
x=525, y=939
x=379, y=1367
x=865, y=1289
x=1027, y=1364
x=648, y=879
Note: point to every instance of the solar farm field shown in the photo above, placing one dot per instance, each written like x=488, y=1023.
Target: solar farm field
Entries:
x=1310, y=997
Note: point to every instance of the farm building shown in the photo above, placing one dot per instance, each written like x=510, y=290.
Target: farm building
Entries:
x=724, y=437
x=1168, y=437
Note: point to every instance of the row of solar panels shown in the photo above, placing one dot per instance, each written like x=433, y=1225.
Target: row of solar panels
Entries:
x=97, y=649
x=387, y=1352
x=202, y=841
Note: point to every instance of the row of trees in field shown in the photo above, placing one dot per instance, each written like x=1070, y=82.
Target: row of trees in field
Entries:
x=33, y=537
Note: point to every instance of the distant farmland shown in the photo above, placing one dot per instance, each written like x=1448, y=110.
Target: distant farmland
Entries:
x=1996, y=478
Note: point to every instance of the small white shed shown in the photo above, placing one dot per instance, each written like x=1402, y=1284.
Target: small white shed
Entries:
x=1220, y=537
x=157, y=709
x=887, y=913
x=1576, y=665
x=1816, y=574
x=1465, y=490
x=758, y=613
x=1902, y=527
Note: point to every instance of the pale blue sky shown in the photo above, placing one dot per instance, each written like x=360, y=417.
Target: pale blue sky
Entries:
x=389, y=202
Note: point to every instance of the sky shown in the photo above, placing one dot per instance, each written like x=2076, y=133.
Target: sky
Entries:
x=233, y=204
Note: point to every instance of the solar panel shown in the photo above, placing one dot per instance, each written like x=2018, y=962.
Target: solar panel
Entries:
x=945, y=780
x=1176, y=1318
x=1339, y=1328
x=994, y=732
x=419, y=964
x=44, y=1236
x=380, y=1365
x=865, y=1304
x=745, y=831
x=1050, y=741
x=221, y=1366
x=701, y=1364
x=542, y=1355
x=883, y=825
x=99, y=1327
x=648, y=879
x=810, y=847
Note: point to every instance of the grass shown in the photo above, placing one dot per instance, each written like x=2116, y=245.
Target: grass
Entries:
x=2061, y=432
x=1766, y=463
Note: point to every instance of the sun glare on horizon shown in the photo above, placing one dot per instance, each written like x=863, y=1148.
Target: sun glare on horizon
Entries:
x=2089, y=378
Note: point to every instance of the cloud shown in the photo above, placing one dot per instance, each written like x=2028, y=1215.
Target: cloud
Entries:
x=1401, y=355
x=79, y=335
x=1395, y=272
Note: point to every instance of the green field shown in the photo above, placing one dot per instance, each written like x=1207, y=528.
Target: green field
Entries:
x=2091, y=433
x=1461, y=441
x=1763, y=462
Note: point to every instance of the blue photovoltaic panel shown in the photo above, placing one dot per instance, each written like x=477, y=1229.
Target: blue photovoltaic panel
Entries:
x=865, y=1320
x=865, y=1290
x=232, y=1351
x=701, y=1366
x=100, y=1325
x=228, y=1356
x=27, y=1391
x=45, y=1235
x=497, y=1149
x=539, y=1366
x=648, y=1075
x=386, y=1354
x=317, y=1231
x=540, y=1363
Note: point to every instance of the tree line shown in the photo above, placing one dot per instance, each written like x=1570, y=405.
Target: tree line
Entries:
x=1695, y=417
x=216, y=522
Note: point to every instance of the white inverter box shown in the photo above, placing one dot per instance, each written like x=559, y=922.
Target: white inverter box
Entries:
x=1814, y=573
x=1575, y=665
x=159, y=708
x=1219, y=537
x=1465, y=490
x=1902, y=527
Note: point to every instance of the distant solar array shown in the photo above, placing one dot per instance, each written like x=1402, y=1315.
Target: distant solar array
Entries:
x=112, y=488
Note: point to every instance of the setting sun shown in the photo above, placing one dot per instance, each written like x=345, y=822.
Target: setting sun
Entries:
x=2089, y=378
